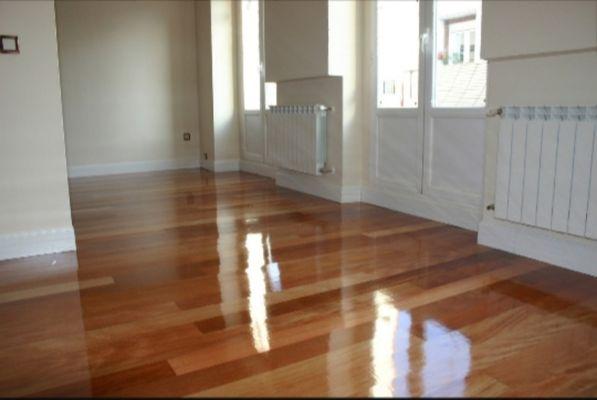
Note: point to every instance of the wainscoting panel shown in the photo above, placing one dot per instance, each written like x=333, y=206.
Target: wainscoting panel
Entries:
x=254, y=137
x=398, y=154
x=454, y=158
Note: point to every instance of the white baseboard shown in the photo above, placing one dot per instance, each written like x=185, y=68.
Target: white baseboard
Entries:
x=221, y=165
x=563, y=250
x=314, y=185
x=34, y=243
x=425, y=207
x=258, y=168
x=207, y=164
x=351, y=194
x=129, y=167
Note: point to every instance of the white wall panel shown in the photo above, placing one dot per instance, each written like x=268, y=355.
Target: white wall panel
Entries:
x=398, y=151
x=454, y=156
x=254, y=137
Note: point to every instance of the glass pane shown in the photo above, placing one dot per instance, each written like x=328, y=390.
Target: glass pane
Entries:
x=271, y=94
x=460, y=73
x=397, y=54
x=250, y=49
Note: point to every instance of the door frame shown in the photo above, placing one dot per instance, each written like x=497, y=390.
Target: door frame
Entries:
x=376, y=112
x=431, y=112
x=466, y=206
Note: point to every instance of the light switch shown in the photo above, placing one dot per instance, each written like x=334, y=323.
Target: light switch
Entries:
x=9, y=44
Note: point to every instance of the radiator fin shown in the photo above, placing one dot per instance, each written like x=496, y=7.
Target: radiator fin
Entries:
x=547, y=168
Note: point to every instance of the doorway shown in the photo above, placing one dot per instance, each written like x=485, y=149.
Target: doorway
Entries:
x=429, y=109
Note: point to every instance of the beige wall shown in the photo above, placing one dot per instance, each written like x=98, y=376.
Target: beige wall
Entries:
x=204, y=75
x=367, y=14
x=345, y=52
x=296, y=39
x=226, y=126
x=216, y=66
x=515, y=27
x=33, y=179
x=129, y=81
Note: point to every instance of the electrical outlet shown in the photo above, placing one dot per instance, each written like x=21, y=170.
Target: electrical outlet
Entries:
x=186, y=136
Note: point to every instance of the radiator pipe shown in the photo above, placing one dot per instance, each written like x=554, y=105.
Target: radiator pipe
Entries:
x=495, y=112
x=327, y=170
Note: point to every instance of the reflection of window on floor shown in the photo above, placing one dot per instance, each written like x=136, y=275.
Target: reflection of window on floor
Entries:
x=460, y=73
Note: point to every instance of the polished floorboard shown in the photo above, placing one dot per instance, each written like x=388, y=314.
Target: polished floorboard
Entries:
x=187, y=283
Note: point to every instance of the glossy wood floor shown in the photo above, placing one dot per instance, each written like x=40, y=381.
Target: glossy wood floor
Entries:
x=190, y=284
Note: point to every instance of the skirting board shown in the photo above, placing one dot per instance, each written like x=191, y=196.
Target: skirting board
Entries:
x=129, y=167
x=36, y=243
x=220, y=165
x=258, y=168
x=351, y=194
x=319, y=187
x=565, y=251
x=424, y=207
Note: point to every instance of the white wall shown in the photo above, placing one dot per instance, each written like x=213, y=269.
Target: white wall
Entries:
x=34, y=203
x=129, y=83
x=557, y=67
x=296, y=39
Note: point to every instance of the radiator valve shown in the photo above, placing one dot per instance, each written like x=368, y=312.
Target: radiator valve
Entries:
x=327, y=170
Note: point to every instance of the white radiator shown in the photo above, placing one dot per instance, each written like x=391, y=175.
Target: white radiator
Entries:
x=296, y=137
x=547, y=168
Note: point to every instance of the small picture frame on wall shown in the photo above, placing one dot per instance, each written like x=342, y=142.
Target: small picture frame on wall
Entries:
x=9, y=44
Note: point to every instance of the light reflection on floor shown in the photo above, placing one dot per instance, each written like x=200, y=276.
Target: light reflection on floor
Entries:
x=446, y=355
x=257, y=291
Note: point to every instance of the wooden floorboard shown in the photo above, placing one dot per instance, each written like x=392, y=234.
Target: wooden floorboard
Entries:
x=187, y=283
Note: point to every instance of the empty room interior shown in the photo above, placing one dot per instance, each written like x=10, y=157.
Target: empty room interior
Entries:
x=297, y=198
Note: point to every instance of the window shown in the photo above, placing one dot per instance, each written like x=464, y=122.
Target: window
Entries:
x=397, y=54
x=459, y=74
x=271, y=95
x=250, y=54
